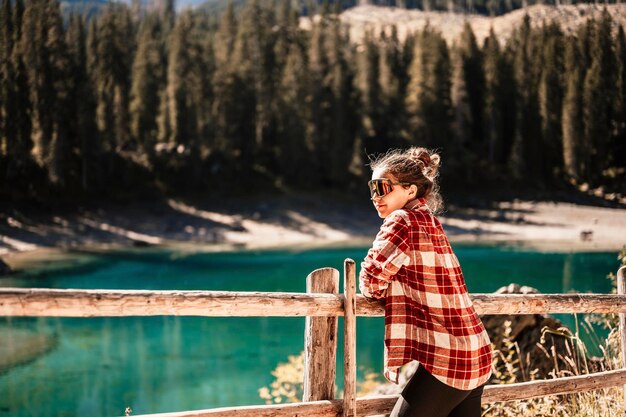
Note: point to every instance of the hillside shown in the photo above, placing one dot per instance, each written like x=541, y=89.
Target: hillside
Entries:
x=363, y=18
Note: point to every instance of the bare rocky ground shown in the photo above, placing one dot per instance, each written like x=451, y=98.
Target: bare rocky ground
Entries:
x=29, y=234
x=376, y=18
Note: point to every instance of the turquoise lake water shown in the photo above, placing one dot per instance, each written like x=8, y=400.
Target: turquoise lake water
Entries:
x=165, y=364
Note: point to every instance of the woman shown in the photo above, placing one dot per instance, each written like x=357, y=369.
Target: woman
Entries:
x=429, y=316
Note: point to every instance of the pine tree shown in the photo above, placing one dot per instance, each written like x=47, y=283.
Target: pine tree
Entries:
x=254, y=57
x=148, y=80
x=15, y=144
x=234, y=107
x=320, y=98
x=393, y=76
x=7, y=132
x=463, y=121
x=334, y=118
x=287, y=32
x=45, y=57
x=471, y=61
x=495, y=102
x=599, y=97
x=371, y=95
x=428, y=98
x=574, y=156
x=550, y=100
x=345, y=116
x=293, y=149
x=619, y=140
x=187, y=89
x=526, y=154
x=226, y=35
x=81, y=126
x=110, y=68
x=20, y=149
x=95, y=147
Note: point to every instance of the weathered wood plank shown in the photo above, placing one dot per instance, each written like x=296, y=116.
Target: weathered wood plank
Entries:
x=568, y=385
x=383, y=404
x=320, y=341
x=524, y=304
x=349, y=346
x=112, y=303
x=43, y=302
x=305, y=409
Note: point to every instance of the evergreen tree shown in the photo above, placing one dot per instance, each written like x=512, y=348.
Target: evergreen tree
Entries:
x=294, y=149
x=499, y=112
x=334, y=118
x=7, y=132
x=345, y=114
x=393, y=76
x=462, y=122
x=254, y=57
x=289, y=149
x=95, y=147
x=148, y=80
x=45, y=58
x=618, y=146
x=15, y=143
x=81, y=126
x=551, y=100
x=320, y=96
x=428, y=96
x=526, y=162
x=472, y=73
x=599, y=97
x=18, y=115
x=226, y=35
x=235, y=86
x=188, y=96
x=287, y=32
x=371, y=96
x=574, y=155
x=110, y=70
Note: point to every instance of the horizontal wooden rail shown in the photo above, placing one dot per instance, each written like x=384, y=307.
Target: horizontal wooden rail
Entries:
x=524, y=304
x=383, y=404
x=114, y=303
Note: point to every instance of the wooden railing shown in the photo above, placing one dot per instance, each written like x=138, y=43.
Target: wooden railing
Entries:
x=322, y=305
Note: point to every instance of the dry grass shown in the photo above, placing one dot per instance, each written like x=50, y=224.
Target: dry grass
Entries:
x=574, y=361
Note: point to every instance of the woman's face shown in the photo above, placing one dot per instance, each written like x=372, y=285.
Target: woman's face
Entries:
x=394, y=200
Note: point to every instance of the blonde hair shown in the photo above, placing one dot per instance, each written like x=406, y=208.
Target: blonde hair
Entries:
x=418, y=166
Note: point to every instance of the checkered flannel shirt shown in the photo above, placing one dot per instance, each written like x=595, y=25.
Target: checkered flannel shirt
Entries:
x=429, y=316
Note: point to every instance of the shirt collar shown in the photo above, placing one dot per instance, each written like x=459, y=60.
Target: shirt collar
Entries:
x=416, y=204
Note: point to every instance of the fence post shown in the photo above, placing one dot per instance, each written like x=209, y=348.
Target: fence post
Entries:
x=320, y=341
x=349, y=338
x=621, y=289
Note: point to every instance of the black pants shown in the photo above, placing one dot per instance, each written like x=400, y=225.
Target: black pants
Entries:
x=426, y=396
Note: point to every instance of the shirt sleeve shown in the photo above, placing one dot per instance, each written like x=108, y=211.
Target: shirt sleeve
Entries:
x=387, y=255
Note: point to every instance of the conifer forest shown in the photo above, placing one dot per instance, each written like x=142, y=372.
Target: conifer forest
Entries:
x=128, y=104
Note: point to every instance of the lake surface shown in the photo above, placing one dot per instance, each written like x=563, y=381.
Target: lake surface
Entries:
x=165, y=364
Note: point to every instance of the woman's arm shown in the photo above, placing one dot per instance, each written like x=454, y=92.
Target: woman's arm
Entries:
x=387, y=255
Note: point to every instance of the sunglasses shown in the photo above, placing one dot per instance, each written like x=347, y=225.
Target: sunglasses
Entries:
x=382, y=186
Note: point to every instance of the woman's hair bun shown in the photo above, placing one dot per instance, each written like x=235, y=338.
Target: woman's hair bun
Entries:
x=426, y=160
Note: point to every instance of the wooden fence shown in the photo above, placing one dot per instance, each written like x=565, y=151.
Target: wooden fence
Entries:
x=322, y=305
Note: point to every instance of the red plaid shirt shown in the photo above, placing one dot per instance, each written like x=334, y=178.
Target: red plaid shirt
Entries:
x=429, y=316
